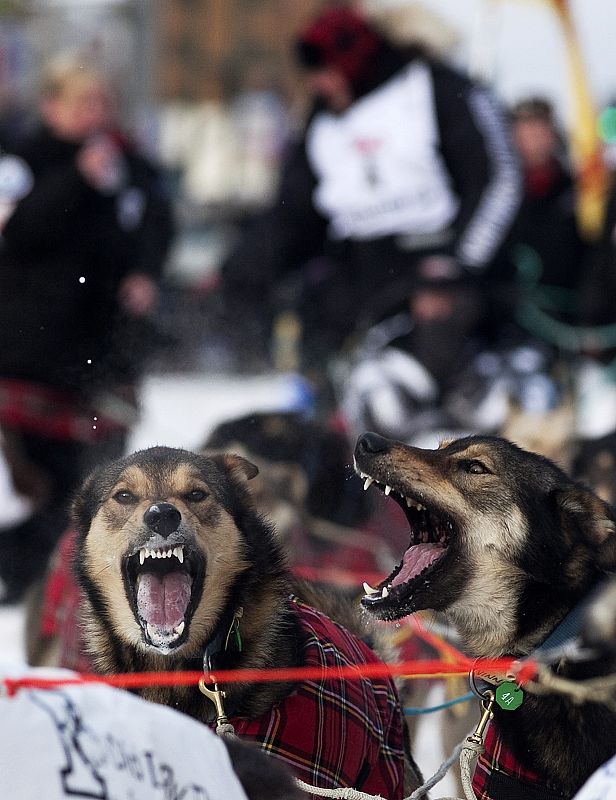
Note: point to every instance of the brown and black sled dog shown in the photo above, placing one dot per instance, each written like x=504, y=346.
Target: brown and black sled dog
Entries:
x=507, y=546
x=178, y=567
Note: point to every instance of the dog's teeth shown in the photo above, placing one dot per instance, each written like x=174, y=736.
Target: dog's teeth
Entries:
x=369, y=590
x=179, y=554
x=384, y=592
x=180, y=628
x=151, y=631
x=141, y=555
x=387, y=489
x=409, y=502
x=368, y=483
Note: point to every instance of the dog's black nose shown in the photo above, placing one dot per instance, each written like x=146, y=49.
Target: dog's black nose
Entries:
x=371, y=443
x=162, y=518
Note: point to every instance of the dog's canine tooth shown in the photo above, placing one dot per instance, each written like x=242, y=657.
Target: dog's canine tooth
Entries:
x=409, y=503
x=369, y=590
x=180, y=628
x=368, y=483
x=387, y=489
x=179, y=553
x=384, y=592
x=151, y=631
x=142, y=555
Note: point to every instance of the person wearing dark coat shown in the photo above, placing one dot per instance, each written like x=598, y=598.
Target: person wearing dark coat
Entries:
x=85, y=227
x=546, y=223
x=402, y=158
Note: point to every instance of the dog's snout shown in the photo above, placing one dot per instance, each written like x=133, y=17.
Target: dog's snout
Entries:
x=162, y=518
x=371, y=443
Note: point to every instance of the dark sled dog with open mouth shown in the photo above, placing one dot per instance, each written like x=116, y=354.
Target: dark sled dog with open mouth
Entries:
x=507, y=545
x=179, y=569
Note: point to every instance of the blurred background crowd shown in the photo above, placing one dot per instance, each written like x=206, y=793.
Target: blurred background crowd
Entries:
x=407, y=205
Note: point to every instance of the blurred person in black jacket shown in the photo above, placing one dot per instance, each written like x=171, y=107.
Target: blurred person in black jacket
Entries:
x=85, y=228
x=402, y=159
x=546, y=222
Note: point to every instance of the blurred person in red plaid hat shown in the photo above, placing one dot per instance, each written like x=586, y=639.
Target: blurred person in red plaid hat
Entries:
x=402, y=159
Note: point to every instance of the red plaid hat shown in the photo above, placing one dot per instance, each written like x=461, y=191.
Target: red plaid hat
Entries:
x=340, y=38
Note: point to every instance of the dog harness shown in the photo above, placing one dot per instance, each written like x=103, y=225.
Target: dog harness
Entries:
x=335, y=733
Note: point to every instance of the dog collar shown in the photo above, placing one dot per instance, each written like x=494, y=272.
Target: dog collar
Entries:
x=508, y=695
x=568, y=628
x=227, y=630
x=216, y=648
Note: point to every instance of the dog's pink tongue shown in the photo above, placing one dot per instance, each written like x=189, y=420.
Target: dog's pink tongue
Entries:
x=162, y=599
x=416, y=559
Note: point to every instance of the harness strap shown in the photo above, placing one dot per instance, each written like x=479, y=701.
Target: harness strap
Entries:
x=569, y=627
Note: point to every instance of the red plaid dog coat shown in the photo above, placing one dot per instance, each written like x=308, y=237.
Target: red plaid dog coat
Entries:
x=335, y=733
x=500, y=776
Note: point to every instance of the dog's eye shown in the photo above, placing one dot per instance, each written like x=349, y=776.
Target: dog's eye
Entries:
x=476, y=467
x=124, y=497
x=196, y=496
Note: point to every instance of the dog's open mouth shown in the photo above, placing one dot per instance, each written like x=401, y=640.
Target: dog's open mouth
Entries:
x=431, y=537
x=161, y=585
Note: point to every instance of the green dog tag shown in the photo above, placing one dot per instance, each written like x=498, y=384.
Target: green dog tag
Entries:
x=509, y=696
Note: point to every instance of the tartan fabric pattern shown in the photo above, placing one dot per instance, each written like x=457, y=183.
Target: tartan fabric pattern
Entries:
x=60, y=606
x=50, y=412
x=498, y=757
x=335, y=733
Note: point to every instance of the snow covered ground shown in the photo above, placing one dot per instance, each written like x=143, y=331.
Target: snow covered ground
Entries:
x=179, y=411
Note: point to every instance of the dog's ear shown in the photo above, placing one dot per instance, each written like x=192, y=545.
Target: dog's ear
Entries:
x=238, y=465
x=85, y=503
x=584, y=511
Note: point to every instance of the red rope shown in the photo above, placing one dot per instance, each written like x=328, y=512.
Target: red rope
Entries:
x=432, y=668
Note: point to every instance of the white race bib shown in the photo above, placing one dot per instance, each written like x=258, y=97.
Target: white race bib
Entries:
x=378, y=167
x=97, y=742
